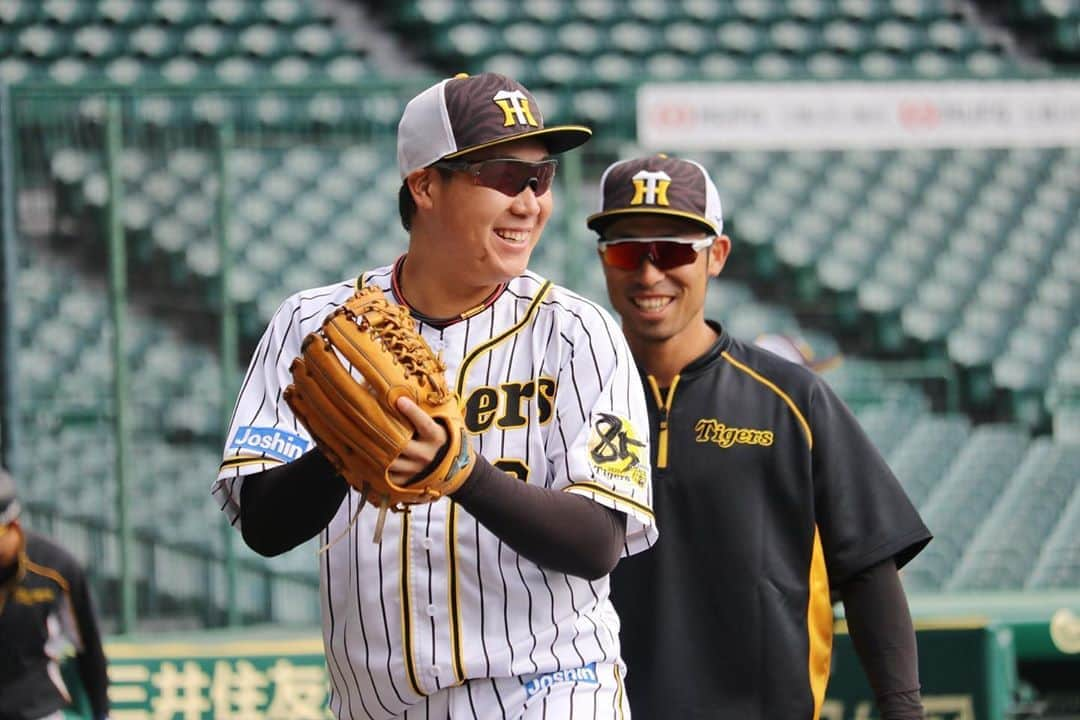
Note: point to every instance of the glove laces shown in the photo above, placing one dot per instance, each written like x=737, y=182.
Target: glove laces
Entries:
x=396, y=330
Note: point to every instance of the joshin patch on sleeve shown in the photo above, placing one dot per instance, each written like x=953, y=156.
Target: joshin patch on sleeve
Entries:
x=271, y=442
x=615, y=452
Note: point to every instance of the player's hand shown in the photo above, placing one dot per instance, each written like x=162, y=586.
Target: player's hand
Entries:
x=421, y=450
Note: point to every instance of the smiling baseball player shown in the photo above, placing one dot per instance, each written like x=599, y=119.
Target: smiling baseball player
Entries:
x=768, y=492
x=492, y=602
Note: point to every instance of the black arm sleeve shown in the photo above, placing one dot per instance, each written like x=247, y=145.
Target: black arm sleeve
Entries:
x=91, y=659
x=556, y=530
x=285, y=506
x=881, y=630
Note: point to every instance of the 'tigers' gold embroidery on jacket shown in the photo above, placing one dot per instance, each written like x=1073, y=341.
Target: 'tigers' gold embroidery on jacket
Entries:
x=711, y=430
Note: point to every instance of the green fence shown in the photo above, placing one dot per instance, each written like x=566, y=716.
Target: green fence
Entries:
x=149, y=233
x=969, y=669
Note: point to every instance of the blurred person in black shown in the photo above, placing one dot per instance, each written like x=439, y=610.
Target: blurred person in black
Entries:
x=44, y=599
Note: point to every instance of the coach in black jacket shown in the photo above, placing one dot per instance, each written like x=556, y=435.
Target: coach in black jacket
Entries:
x=43, y=596
x=767, y=493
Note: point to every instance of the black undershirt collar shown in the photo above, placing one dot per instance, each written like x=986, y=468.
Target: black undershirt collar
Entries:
x=395, y=286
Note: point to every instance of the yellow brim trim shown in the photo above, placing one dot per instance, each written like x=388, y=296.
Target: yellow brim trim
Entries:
x=582, y=136
x=591, y=223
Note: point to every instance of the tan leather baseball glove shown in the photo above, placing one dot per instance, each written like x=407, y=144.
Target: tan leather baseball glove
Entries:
x=346, y=383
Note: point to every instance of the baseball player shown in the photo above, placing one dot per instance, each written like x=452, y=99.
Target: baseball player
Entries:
x=494, y=602
x=44, y=605
x=767, y=492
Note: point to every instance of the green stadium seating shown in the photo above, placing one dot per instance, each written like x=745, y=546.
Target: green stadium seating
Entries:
x=1058, y=565
x=925, y=453
x=880, y=418
x=915, y=240
x=169, y=211
x=957, y=505
x=1004, y=551
x=1062, y=397
x=173, y=41
x=766, y=38
x=177, y=419
x=1051, y=25
x=122, y=12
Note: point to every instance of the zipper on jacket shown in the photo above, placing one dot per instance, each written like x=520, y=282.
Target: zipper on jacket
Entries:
x=663, y=404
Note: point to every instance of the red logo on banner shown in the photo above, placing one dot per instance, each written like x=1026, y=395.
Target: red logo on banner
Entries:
x=916, y=114
x=670, y=116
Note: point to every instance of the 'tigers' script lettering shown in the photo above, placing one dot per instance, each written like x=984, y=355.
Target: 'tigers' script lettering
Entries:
x=710, y=430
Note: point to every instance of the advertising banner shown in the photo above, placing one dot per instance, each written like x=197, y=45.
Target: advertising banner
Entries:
x=846, y=115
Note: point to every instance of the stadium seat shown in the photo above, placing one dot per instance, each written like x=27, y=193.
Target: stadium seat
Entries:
x=467, y=40
x=793, y=37
x=900, y=37
x=1004, y=551
x=97, y=42
x=597, y=10
x=578, y=38
x=952, y=36
x=740, y=36
x=925, y=453
x=1058, y=564
x=119, y=12
x=957, y=505
x=687, y=37
x=180, y=12
x=561, y=68
x=21, y=12
x=880, y=420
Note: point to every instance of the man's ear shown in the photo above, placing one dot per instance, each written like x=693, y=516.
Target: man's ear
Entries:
x=718, y=254
x=420, y=183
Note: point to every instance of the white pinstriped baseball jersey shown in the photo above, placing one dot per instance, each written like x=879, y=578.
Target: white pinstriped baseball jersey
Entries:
x=550, y=394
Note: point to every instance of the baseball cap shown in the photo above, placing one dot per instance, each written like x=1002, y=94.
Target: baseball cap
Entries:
x=9, y=503
x=464, y=113
x=658, y=185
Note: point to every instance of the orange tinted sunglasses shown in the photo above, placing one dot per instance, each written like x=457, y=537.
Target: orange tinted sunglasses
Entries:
x=663, y=252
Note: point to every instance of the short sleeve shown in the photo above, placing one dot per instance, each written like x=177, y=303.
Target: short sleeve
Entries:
x=263, y=431
x=602, y=422
x=863, y=514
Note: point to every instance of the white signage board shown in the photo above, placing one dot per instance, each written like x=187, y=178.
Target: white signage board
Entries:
x=843, y=115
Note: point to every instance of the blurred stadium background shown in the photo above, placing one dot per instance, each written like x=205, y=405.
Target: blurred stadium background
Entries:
x=141, y=137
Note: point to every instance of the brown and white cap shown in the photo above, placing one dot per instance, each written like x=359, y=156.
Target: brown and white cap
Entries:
x=658, y=185
x=466, y=113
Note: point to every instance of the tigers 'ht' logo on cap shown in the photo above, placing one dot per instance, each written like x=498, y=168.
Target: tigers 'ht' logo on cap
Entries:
x=515, y=107
x=658, y=185
x=650, y=188
x=465, y=113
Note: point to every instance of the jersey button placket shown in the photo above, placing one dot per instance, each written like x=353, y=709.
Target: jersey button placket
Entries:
x=429, y=569
x=415, y=599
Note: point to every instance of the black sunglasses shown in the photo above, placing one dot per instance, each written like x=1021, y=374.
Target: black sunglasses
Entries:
x=509, y=176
